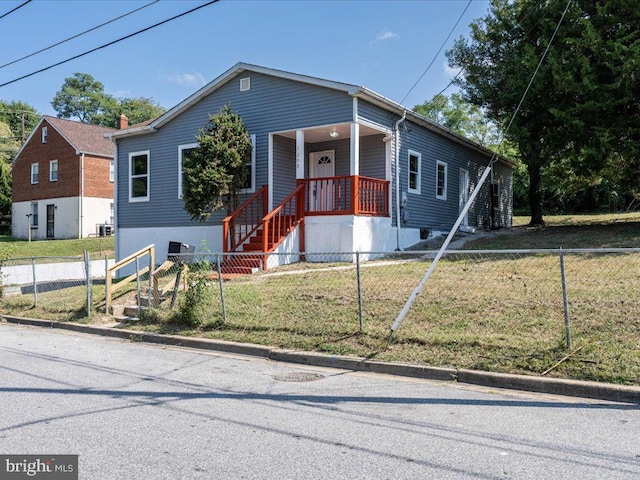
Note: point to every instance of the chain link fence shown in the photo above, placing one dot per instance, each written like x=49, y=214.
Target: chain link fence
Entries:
x=502, y=304
x=53, y=287
x=541, y=293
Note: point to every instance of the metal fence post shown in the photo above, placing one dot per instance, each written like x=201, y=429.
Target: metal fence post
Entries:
x=106, y=284
x=565, y=299
x=359, y=290
x=224, y=307
x=87, y=269
x=151, y=295
x=138, y=286
x=35, y=282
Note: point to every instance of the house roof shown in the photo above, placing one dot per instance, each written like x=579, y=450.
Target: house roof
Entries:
x=85, y=138
x=350, y=89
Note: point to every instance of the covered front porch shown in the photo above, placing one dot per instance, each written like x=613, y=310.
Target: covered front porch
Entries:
x=328, y=159
x=315, y=172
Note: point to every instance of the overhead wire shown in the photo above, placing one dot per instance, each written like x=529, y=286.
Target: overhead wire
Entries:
x=438, y=52
x=14, y=9
x=79, y=34
x=126, y=37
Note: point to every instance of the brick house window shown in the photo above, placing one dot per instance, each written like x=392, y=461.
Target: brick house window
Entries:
x=34, y=214
x=34, y=173
x=139, y=176
x=53, y=171
x=44, y=134
x=112, y=171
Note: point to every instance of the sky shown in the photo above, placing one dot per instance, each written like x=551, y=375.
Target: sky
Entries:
x=383, y=45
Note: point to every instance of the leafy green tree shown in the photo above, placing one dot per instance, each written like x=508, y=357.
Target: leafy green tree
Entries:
x=215, y=171
x=138, y=110
x=583, y=103
x=84, y=98
x=21, y=117
x=461, y=116
x=9, y=146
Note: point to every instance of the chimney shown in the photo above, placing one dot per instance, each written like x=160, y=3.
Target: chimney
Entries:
x=122, y=122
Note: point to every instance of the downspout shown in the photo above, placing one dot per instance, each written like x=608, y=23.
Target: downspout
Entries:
x=396, y=130
x=81, y=226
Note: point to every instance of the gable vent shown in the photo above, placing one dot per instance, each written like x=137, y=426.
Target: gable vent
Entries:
x=245, y=84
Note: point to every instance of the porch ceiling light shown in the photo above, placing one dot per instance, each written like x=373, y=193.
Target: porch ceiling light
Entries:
x=334, y=134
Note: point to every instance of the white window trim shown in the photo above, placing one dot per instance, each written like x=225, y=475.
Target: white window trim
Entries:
x=446, y=175
x=148, y=175
x=44, y=134
x=51, y=163
x=419, y=172
x=253, y=166
x=37, y=170
x=186, y=146
x=34, y=217
x=112, y=171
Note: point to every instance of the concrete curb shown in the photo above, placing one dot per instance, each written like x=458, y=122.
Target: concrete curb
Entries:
x=557, y=386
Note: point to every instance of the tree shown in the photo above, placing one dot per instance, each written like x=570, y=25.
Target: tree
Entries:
x=583, y=103
x=138, y=110
x=21, y=117
x=84, y=98
x=462, y=117
x=9, y=146
x=215, y=171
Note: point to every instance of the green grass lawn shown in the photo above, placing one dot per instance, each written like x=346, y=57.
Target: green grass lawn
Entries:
x=501, y=313
x=98, y=247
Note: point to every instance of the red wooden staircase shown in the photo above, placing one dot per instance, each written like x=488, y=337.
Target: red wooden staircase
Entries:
x=250, y=233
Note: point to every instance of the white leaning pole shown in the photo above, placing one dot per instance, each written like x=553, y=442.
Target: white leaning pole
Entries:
x=432, y=267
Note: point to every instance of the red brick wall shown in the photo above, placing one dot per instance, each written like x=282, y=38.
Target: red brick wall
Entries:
x=96, y=169
x=56, y=148
x=96, y=177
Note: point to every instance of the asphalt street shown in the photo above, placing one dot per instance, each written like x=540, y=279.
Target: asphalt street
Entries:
x=140, y=411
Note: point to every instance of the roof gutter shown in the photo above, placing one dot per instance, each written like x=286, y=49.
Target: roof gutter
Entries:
x=389, y=104
x=130, y=132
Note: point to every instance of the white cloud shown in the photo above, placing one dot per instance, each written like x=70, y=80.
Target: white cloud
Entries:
x=449, y=71
x=383, y=37
x=193, y=79
x=386, y=35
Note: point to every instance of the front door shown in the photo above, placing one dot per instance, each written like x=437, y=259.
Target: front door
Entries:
x=322, y=165
x=464, y=195
x=50, y=220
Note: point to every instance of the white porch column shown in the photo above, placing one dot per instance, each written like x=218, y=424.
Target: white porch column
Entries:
x=355, y=149
x=299, y=154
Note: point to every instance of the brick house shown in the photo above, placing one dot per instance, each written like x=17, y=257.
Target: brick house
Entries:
x=63, y=178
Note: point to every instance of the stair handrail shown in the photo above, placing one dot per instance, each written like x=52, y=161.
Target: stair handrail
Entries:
x=148, y=250
x=298, y=215
x=230, y=244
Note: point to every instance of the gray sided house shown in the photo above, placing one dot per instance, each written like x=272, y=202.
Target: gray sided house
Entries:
x=335, y=168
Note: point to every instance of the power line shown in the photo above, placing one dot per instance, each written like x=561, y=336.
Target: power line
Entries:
x=78, y=35
x=438, y=52
x=13, y=10
x=109, y=44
